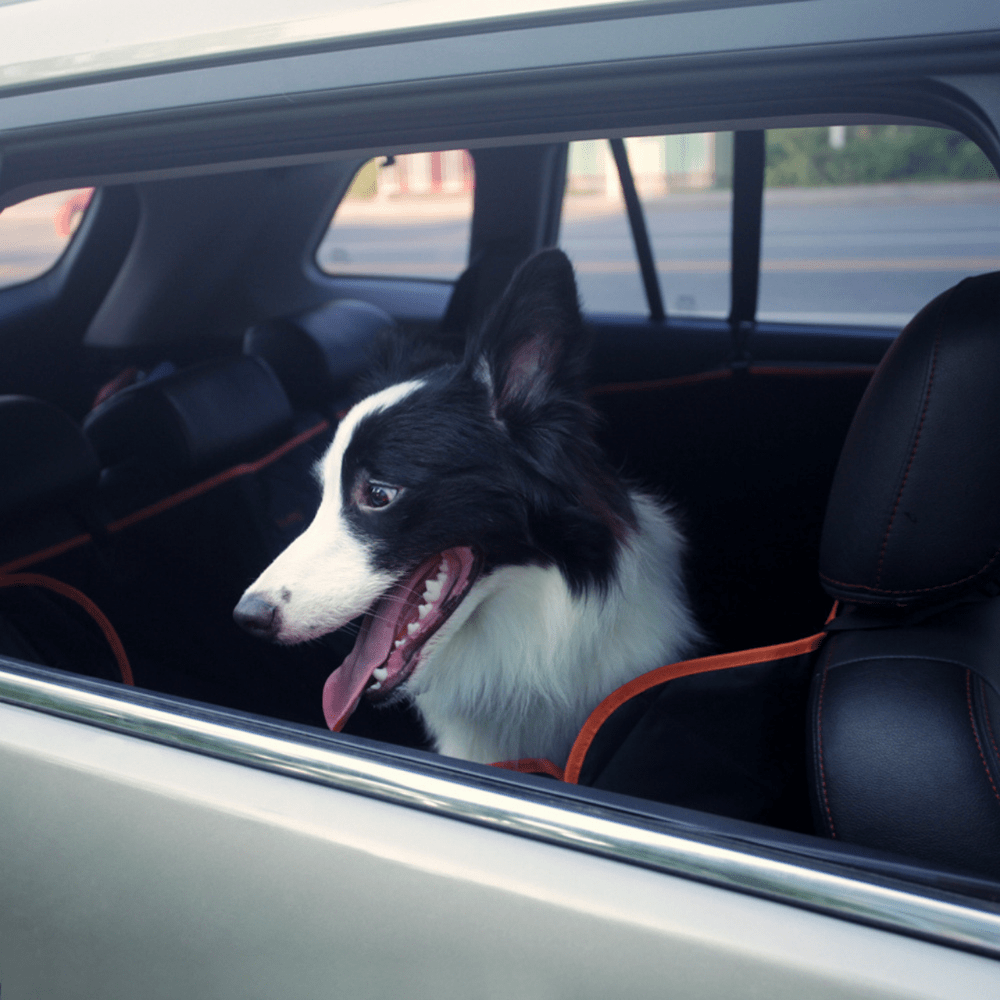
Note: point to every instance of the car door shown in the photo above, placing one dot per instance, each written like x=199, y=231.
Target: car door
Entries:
x=152, y=847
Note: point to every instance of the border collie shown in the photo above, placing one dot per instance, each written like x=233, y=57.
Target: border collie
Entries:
x=508, y=579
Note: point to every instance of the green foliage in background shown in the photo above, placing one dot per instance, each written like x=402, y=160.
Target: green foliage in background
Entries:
x=872, y=154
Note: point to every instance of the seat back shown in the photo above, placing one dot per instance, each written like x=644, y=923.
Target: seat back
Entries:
x=748, y=458
x=905, y=709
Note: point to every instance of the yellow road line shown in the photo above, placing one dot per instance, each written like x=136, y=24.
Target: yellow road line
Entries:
x=832, y=266
x=802, y=264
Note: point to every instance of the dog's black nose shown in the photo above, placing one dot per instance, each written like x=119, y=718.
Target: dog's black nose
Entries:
x=256, y=616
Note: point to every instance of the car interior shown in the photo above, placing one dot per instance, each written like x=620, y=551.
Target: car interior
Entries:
x=173, y=377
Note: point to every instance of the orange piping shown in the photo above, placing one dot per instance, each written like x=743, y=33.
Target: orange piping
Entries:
x=205, y=485
x=64, y=589
x=702, y=665
x=531, y=765
x=724, y=373
x=50, y=553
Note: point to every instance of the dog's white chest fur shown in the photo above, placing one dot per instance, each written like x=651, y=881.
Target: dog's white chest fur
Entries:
x=518, y=668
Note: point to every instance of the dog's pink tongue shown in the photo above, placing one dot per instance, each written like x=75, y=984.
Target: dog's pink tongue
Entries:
x=374, y=645
x=344, y=687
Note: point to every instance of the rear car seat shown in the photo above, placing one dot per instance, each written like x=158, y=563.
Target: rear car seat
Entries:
x=748, y=457
x=188, y=531
x=201, y=489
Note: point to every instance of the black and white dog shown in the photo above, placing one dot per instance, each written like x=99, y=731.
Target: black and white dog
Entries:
x=509, y=580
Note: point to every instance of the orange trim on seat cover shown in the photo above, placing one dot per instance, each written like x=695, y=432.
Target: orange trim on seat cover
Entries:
x=245, y=469
x=65, y=590
x=50, y=553
x=717, y=374
x=531, y=765
x=172, y=501
x=702, y=665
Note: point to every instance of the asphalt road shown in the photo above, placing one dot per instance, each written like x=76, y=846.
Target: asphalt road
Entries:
x=872, y=255
x=864, y=255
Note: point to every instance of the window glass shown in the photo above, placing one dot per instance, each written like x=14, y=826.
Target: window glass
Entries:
x=684, y=184
x=865, y=224
x=34, y=233
x=406, y=216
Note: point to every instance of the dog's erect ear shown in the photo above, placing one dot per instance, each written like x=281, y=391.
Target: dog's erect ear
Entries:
x=532, y=344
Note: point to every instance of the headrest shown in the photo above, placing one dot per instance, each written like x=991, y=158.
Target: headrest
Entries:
x=198, y=420
x=914, y=511
x=318, y=355
x=44, y=457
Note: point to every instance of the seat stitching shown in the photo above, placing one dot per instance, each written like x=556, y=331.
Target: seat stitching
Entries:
x=914, y=590
x=986, y=716
x=819, y=744
x=913, y=453
x=975, y=734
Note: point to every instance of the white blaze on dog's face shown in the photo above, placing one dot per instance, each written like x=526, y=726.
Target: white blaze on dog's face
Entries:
x=360, y=557
x=327, y=576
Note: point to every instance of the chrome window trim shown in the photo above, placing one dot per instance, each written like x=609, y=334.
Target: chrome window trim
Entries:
x=578, y=825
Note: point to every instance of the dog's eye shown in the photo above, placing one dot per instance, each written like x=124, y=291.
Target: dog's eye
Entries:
x=375, y=496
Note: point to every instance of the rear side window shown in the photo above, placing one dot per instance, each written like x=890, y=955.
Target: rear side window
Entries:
x=865, y=224
x=404, y=216
x=684, y=184
x=34, y=234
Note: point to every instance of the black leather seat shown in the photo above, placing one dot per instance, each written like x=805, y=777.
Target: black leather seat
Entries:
x=906, y=692
x=889, y=719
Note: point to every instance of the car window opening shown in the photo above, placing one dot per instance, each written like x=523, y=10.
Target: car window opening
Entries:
x=34, y=234
x=773, y=437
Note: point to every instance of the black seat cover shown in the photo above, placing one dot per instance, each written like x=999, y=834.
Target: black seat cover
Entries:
x=906, y=694
x=157, y=436
x=44, y=459
x=48, y=483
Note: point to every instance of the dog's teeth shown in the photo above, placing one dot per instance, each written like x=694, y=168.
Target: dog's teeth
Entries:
x=377, y=686
x=433, y=590
x=398, y=643
x=423, y=609
x=380, y=674
x=413, y=628
x=443, y=568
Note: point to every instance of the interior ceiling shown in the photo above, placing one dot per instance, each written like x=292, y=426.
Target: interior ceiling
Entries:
x=642, y=98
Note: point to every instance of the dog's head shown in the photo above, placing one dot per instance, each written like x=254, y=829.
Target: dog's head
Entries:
x=434, y=481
